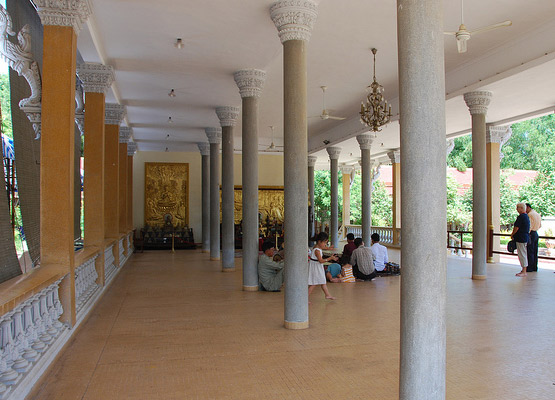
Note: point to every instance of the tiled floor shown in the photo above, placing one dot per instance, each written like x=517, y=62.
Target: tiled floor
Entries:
x=175, y=327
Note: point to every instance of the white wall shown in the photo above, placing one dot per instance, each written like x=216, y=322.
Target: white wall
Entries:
x=270, y=173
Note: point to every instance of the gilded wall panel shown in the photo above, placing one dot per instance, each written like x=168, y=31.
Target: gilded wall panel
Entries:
x=166, y=193
x=270, y=204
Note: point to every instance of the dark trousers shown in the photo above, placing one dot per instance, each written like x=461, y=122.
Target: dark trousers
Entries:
x=364, y=277
x=532, y=249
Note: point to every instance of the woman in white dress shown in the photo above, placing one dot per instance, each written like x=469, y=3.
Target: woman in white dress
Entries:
x=316, y=274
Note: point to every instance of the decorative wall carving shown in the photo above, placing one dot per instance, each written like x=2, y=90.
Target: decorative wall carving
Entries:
x=270, y=204
x=166, y=193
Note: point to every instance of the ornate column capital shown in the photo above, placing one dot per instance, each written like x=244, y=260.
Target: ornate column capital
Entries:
x=333, y=152
x=80, y=121
x=365, y=141
x=478, y=101
x=131, y=148
x=347, y=169
x=124, y=134
x=114, y=114
x=64, y=12
x=227, y=115
x=96, y=77
x=250, y=82
x=294, y=19
x=214, y=135
x=204, y=148
x=394, y=156
x=312, y=161
x=498, y=134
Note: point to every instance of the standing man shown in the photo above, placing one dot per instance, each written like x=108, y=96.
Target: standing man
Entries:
x=521, y=234
x=535, y=225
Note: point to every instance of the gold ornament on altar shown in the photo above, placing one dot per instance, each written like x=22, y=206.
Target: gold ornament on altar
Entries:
x=166, y=194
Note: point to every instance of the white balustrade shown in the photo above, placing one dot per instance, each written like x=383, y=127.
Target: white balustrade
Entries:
x=121, y=252
x=26, y=334
x=385, y=232
x=85, y=282
x=109, y=266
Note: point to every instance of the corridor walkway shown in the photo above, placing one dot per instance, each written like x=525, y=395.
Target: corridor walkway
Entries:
x=175, y=327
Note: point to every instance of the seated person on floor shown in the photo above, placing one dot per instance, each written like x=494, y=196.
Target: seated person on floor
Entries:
x=333, y=272
x=362, y=261
x=348, y=249
x=380, y=253
x=270, y=273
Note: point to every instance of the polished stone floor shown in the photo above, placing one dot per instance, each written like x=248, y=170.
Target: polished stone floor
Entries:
x=175, y=327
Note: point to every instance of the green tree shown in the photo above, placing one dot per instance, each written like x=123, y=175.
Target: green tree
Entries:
x=322, y=196
x=508, y=197
x=6, y=106
x=532, y=142
x=461, y=156
x=382, y=203
x=457, y=212
x=540, y=192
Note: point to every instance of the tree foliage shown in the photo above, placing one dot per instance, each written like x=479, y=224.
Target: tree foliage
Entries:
x=540, y=192
x=6, y=106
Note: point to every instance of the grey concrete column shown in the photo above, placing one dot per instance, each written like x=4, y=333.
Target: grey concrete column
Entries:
x=214, y=137
x=423, y=195
x=365, y=143
x=250, y=83
x=334, y=180
x=228, y=116
x=478, y=103
x=204, y=149
x=312, y=215
x=294, y=22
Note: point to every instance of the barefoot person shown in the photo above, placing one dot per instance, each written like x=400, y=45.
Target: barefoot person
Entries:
x=520, y=235
x=316, y=275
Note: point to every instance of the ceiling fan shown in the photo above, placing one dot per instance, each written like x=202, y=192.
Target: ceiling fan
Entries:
x=272, y=147
x=463, y=34
x=325, y=112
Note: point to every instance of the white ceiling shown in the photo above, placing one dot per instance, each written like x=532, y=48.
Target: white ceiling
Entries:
x=222, y=36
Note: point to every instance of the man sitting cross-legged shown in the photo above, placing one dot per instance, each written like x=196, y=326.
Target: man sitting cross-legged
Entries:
x=270, y=272
x=362, y=261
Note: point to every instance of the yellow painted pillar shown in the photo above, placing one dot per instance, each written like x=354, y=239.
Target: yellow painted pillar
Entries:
x=114, y=116
x=96, y=79
x=346, y=172
x=62, y=23
x=395, y=157
x=130, y=153
x=496, y=136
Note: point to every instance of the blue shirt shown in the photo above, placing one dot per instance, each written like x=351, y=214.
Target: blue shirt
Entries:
x=523, y=224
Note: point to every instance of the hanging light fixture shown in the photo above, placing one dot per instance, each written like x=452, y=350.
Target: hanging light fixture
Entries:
x=375, y=112
x=170, y=121
x=179, y=43
x=171, y=93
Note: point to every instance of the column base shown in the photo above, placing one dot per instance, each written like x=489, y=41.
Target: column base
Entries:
x=206, y=251
x=479, y=277
x=228, y=269
x=250, y=288
x=295, y=325
x=490, y=260
x=214, y=258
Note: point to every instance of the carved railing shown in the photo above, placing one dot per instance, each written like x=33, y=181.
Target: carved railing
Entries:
x=386, y=232
x=28, y=336
x=109, y=264
x=121, y=249
x=85, y=283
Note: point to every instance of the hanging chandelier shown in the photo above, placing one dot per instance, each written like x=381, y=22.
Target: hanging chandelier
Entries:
x=375, y=113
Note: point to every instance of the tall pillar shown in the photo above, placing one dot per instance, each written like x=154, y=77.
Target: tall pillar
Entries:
x=496, y=137
x=395, y=157
x=62, y=22
x=478, y=103
x=334, y=152
x=365, y=143
x=96, y=79
x=204, y=149
x=422, y=111
x=214, y=138
x=131, y=149
x=250, y=83
x=294, y=22
x=113, y=117
x=312, y=215
x=124, y=135
x=346, y=171
x=228, y=116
